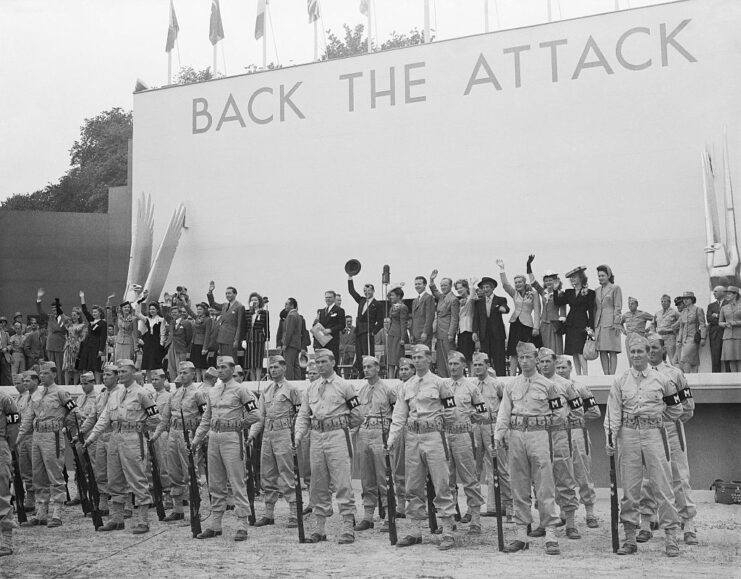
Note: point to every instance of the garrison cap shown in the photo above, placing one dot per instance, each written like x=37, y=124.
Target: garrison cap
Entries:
x=47, y=366
x=526, y=348
x=456, y=355
x=225, y=360
x=111, y=367
x=157, y=372
x=421, y=349
x=87, y=376
x=125, y=362
x=238, y=369
x=277, y=359
x=30, y=373
x=546, y=352
x=186, y=365
x=211, y=373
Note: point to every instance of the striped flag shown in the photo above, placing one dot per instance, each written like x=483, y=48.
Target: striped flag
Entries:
x=260, y=20
x=313, y=8
x=364, y=7
x=216, y=30
x=172, y=29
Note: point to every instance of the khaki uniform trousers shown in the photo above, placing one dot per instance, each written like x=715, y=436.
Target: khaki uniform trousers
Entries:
x=160, y=448
x=425, y=454
x=127, y=468
x=503, y=467
x=462, y=467
x=276, y=466
x=6, y=464
x=25, y=463
x=583, y=465
x=530, y=460
x=177, y=463
x=99, y=455
x=563, y=472
x=330, y=469
x=47, y=464
x=636, y=448
x=372, y=466
x=226, y=465
x=398, y=458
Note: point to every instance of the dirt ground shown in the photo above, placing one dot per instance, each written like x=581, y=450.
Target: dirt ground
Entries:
x=75, y=550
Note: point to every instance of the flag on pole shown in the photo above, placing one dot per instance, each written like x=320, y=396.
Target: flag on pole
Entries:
x=172, y=29
x=260, y=20
x=313, y=8
x=216, y=30
x=364, y=7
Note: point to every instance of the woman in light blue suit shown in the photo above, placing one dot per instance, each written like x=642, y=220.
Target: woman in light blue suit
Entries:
x=608, y=302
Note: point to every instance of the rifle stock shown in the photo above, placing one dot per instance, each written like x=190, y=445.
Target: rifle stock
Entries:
x=431, y=517
x=156, y=479
x=250, y=483
x=390, y=492
x=297, y=484
x=20, y=493
x=194, y=495
x=614, y=512
x=92, y=484
x=495, y=482
x=82, y=488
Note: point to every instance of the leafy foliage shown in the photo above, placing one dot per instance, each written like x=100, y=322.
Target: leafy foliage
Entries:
x=354, y=43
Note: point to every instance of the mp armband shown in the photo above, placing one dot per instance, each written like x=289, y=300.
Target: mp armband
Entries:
x=555, y=403
x=296, y=407
x=672, y=400
x=448, y=402
x=480, y=407
x=70, y=405
x=251, y=405
x=575, y=403
x=12, y=418
x=353, y=402
x=202, y=408
x=152, y=411
x=589, y=402
x=684, y=394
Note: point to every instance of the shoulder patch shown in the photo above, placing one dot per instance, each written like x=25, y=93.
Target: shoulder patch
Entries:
x=589, y=402
x=575, y=403
x=353, y=402
x=70, y=405
x=251, y=405
x=13, y=418
x=448, y=402
x=152, y=410
x=555, y=403
x=480, y=407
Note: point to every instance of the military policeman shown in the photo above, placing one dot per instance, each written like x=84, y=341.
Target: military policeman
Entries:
x=526, y=415
x=10, y=420
x=126, y=412
x=161, y=399
x=30, y=383
x=420, y=411
x=406, y=372
x=330, y=408
x=377, y=401
x=276, y=410
x=641, y=400
x=46, y=415
x=231, y=409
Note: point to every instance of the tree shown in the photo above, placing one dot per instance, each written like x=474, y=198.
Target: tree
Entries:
x=354, y=43
x=189, y=75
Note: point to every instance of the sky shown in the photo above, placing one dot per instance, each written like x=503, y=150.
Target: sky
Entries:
x=62, y=61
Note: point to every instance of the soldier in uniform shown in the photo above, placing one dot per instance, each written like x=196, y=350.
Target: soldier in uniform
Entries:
x=98, y=451
x=29, y=385
x=46, y=415
x=10, y=420
x=420, y=411
x=492, y=391
x=127, y=411
x=562, y=443
x=231, y=409
x=526, y=415
x=276, y=410
x=377, y=401
x=680, y=468
x=406, y=373
x=162, y=399
x=460, y=422
x=581, y=453
x=641, y=401
x=330, y=408
x=192, y=401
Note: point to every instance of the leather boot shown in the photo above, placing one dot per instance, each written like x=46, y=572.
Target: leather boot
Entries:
x=448, y=540
x=292, y=516
x=141, y=520
x=56, y=515
x=6, y=539
x=116, y=522
x=475, y=526
x=348, y=533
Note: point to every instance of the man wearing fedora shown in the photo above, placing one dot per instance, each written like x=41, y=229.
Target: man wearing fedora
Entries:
x=488, y=326
x=692, y=334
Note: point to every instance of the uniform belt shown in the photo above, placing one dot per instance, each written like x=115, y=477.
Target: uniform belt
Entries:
x=640, y=422
x=48, y=425
x=576, y=422
x=278, y=423
x=375, y=422
x=517, y=422
x=665, y=332
x=227, y=425
x=177, y=424
x=329, y=424
x=121, y=426
x=423, y=426
x=459, y=427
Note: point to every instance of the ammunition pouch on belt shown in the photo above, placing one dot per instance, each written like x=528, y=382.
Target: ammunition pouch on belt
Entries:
x=236, y=425
x=642, y=422
x=120, y=426
x=48, y=425
x=524, y=423
x=424, y=426
x=374, y=422
x=329, y=424
x=177, y=424
x=459, y=427
x=278, y=423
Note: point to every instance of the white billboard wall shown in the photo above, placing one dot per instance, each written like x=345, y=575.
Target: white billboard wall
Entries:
x=578, y=141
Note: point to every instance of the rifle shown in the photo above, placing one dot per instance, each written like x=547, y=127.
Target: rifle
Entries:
x=194, y=495
x=65, y=474
x=390, y=494
x=20, y=493
x=250, y=483
x=82, y=488
x=92, y=484
x=613, y=490
x=495, y=482
x=431, y=517
x=156, y=479
x=297, y=484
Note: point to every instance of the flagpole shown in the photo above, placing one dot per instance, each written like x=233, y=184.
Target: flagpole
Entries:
x=169, y=67
x=496, y=14
x=316, y=40
x=215, y=51
x=617, y=5
x=550, y=11
x=427, y=21
x=486, y=15
x=370, y=29
x=265, y=37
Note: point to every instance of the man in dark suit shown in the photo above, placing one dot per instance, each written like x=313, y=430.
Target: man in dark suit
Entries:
x=715, y=332
x=423, y=313
x=368, y=323
x=488, y=326
x=56, y=333
x=332, y=318
x=230, y=322
x=289, y=340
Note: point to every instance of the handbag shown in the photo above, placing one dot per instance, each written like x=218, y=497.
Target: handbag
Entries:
x=590, y=350
x=727, y=493
x=698, y=337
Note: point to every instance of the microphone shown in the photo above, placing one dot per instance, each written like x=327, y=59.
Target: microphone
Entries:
x=386, y=278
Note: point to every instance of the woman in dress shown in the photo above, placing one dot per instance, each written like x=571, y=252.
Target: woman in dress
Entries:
x=552, y=315
x=580, y=300
x=257, y=334
x=398, y=315
x=94, y=345
x=76, y=333
x=125, y=323
x=467, y=302
x=152, y=350
x=692, y=334
x=202, y=323
x=730, y=319
x=608, y=301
